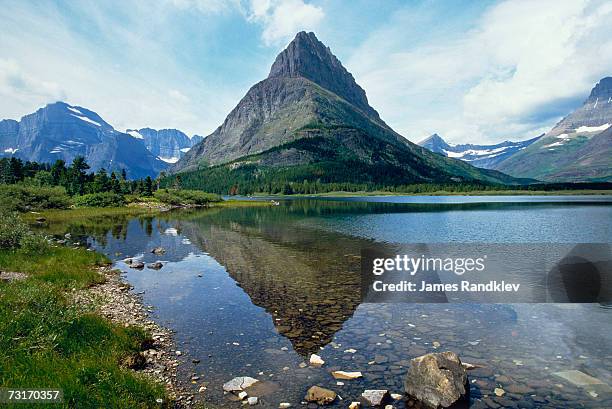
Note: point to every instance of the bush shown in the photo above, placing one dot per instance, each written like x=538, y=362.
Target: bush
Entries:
x=12, y=230
x=106, y=199
x=181, y=197
x=34, y=244
x=25, y=198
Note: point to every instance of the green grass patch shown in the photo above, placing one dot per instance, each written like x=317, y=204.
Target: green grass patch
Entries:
x=46, y=341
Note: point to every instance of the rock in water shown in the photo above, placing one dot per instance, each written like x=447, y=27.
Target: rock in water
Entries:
x=139, y=265
x=375, y=397
x=320, y=395
x=155, y=266
x=436, y=379
x=158, y=250
x=346, y=375
x=239, y=384
x=316, y=360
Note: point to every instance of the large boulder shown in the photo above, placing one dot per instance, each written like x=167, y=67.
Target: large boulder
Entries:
x=437, y=380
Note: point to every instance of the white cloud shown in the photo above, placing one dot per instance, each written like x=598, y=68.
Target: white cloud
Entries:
x=494, y=81
x=282, y=19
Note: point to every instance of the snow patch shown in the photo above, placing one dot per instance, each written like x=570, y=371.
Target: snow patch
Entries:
x=173, y=159
x=11, y=150
x=185, y=150
x=57, y=149
x=451, y=154
x=553, y=144
x=596, y=101
x=593, y=128
x=84, y=118
x=135, y=134
x=76, y=111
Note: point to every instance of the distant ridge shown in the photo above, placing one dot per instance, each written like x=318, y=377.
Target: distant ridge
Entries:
x=481, y=156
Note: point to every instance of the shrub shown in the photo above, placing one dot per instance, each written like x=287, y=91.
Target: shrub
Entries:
x=34, y=244
x=25, y=198
x=12, y=230
x=106, y=199
x=179, y=197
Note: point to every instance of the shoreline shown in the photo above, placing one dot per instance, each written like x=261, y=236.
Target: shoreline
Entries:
x=114, y=300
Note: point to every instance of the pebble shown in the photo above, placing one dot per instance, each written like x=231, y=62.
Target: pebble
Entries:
x=252, y=400
x=499, y=392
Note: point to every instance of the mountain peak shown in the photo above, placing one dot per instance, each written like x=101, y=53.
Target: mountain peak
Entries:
x=602, y=90
x=309, y=58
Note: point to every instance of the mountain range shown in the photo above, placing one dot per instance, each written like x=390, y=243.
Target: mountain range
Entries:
x=62, y=131
x=309, y=120
x=481, y=156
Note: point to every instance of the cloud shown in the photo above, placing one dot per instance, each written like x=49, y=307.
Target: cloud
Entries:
x=515, y=72
x=282, y=19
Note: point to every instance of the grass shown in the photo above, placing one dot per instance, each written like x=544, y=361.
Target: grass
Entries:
x=48, y=342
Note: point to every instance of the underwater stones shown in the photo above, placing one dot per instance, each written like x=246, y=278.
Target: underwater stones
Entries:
x=239, y=383
x=436, y=379
x=375, y=397
x=499, y=392
x=578, y=378
x=320, y=395
x=346, y=375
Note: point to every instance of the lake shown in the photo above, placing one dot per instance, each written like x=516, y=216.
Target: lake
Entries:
x=254, y=291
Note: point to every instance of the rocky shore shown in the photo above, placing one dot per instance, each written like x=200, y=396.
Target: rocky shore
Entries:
x=159, y=358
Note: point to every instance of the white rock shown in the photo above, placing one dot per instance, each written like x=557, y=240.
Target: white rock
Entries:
x=499, y=392
x=178, y=353
x=396, y=396
x=239, y=383
x=284, y=405
x=252, y=400
x=202, y=389
x=354, y=405
x=242, y=395
x=374, y=397
x=316, y=360
x=350, y=351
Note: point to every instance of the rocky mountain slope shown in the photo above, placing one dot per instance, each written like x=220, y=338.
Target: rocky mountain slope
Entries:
x=578, y=148
x=62, y=131
x=481, y=156
x=309, y=120
x=168, y=145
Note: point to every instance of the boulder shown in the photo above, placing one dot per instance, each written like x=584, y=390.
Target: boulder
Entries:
x=239, y=384
x=375, y=397
x=155, y=266
x=437, y=379
x=320, y=395
x=158, y=250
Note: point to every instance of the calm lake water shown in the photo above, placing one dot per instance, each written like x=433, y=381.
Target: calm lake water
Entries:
x=255, y=291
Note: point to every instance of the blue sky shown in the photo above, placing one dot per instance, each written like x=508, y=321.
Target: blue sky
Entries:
x=470, y=71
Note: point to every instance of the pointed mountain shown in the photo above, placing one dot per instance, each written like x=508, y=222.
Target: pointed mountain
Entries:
x=311, y=120
x=168, y=145
x=435, y=143
x=577, y=149
x=62, y=131
x=481, y=156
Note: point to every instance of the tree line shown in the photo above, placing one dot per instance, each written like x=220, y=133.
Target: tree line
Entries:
x=74, y=177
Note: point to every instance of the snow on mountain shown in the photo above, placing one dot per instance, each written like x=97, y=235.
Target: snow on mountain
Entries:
x=482, y=156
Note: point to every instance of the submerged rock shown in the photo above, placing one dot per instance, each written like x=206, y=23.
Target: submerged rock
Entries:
x=436, y=379
x=375, y=397
x=155, y=266
x=320, y=395
x=239, y=384
x=139, y=265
